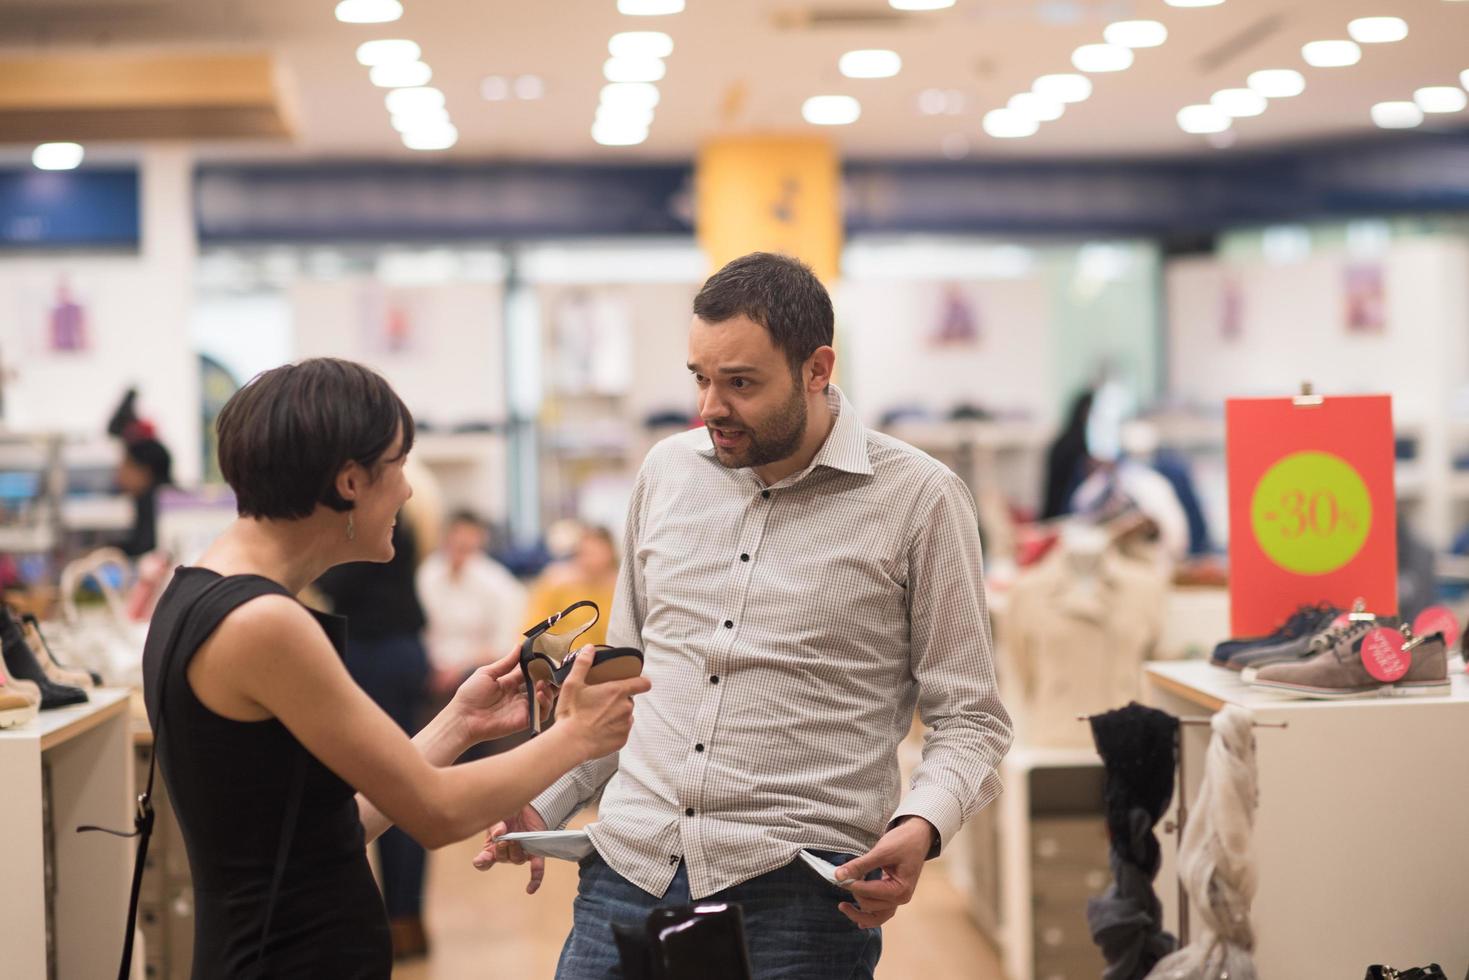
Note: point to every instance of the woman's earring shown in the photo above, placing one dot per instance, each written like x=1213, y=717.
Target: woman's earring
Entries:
x=351, y=528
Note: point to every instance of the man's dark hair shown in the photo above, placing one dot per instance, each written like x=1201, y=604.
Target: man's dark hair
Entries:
x=778, y=292
x=466, y=516
x=153, y=456
x=285, y=436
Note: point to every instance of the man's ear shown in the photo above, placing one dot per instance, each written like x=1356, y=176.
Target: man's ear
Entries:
x=819, y=367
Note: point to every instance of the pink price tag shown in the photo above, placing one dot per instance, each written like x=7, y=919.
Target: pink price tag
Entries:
x=1437, y=619
x=1383, y=655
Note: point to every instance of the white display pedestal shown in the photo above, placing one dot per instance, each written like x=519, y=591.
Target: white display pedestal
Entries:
x=1022, y=904
x=1360, y=828
x=88, y=750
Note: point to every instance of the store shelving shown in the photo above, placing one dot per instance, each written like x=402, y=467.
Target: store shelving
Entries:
x=83, y=754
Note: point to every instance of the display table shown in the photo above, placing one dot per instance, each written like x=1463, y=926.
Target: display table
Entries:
x=1359, y=836
x=85, y=754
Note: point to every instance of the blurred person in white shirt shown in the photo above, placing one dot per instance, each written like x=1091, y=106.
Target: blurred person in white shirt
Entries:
x=473, y=604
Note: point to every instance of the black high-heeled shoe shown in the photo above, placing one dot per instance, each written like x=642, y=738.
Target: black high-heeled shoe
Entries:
x=548, y=657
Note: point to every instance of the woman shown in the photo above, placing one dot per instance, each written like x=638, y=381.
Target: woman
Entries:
x=591, y=573
x=266, y=735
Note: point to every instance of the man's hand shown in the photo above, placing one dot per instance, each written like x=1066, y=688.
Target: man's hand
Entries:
x=900, y=854
x=511, y=853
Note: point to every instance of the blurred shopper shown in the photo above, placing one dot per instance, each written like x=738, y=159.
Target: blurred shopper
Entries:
x=473, y=604
x=146, y=467
x=1067, y=461
x=387, y=659
x=590, y=573
x=798, y=584
x=263, y=738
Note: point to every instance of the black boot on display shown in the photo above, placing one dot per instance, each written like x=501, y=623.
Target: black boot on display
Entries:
x=21, y=662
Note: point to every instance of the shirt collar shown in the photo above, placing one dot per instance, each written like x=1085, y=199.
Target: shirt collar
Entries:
x=845, y=448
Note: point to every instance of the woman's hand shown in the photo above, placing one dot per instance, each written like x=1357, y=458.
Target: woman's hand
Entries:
x=491, y=702
x=601, y=715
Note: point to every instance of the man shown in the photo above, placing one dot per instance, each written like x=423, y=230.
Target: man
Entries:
x=797, y=584
x=473, y=604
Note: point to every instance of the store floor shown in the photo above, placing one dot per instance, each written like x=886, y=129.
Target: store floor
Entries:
x=484, y=925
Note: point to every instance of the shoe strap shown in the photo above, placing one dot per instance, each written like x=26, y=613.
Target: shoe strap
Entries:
x=550, y=621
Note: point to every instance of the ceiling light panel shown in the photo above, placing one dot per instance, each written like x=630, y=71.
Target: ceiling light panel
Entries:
x=1277, y=83
x=1064, y=88
x=1098, y=58
x=58, y=156
x=1239, y=102
x=1038, y=107
x=870, y=63
x=409, y=74
x=640, y=44
x=649, y=8
x=1441, y=98
x=1397, y=115
x=831, y=110
x=1201, y=120
x=369, y=11
x=1378, y=30
x=1007, y=124
x=1136, y=33
x=634, y=69
x=387, y=51
x=1331, y=54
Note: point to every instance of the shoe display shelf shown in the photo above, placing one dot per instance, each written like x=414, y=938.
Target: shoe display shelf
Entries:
x=1358, y=837
x=86, y=753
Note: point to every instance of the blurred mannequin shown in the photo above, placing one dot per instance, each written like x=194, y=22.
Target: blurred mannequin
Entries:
x=590, y=573
x=474, y=605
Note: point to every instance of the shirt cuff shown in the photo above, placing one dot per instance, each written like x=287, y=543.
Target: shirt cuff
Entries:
x=937, y=806
x=560, y=803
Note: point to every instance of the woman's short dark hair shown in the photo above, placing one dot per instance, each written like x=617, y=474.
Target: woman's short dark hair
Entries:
x=285, y=436
x=778, y=292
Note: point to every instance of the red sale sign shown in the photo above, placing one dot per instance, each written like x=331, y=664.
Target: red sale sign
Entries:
x=1312, y=508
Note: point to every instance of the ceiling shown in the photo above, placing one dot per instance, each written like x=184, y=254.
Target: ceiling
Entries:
x=747, y=65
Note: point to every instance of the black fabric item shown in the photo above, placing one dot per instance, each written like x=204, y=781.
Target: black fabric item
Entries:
x=20, y=661
x=1138, y=746
x=379, y=598
x=232, y=785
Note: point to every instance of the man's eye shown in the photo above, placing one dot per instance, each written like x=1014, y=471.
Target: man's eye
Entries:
x=738, y=383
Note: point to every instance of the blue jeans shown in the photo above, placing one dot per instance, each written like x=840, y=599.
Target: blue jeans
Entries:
x=792, y=924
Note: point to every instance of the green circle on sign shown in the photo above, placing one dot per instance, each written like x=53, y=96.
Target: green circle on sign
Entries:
x=1311, y=513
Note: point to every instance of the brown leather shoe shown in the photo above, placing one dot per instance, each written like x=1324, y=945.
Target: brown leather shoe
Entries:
x=409, y=939
x=1339, y=674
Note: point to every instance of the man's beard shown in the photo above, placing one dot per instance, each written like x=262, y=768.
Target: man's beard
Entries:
x=777, y=439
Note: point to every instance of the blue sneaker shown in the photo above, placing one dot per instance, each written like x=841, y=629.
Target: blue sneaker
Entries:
x=1306, y=621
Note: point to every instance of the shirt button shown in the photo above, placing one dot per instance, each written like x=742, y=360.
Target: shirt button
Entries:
x=729, y=624
x=699, y=747
x=765, y=494
x=744, y=557
x=714, y=679
x=689, y=812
